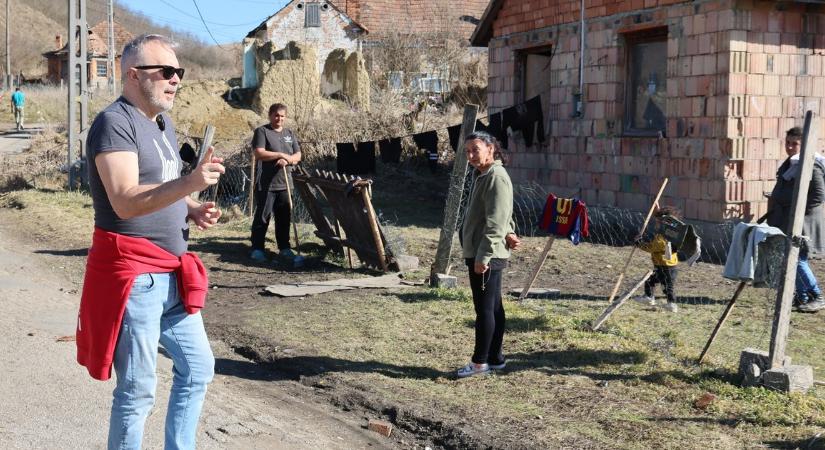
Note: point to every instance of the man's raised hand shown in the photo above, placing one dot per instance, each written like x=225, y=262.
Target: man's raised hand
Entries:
x=208, y=172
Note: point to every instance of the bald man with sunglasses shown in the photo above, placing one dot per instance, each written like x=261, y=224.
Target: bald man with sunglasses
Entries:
x=142, y=288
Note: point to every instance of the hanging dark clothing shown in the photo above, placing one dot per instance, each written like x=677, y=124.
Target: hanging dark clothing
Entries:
x=365, y=157
x=455, y=134
x=427, y=140
x=528, y=118
x=345, y=157
x=497, y=130
x=390, y=150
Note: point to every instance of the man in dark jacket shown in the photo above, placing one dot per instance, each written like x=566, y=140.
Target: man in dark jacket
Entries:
x=807, y=296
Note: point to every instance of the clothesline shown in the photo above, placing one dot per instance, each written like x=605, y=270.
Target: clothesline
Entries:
x=498, y=123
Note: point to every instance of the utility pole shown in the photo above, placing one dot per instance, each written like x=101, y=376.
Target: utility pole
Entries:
x=8, y=47
x=78, y=99
x=112, y=49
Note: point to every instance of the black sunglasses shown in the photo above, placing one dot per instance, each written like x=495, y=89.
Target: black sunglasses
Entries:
x=168, y=71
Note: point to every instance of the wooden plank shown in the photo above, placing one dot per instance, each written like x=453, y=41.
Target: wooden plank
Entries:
x=784, y=297
x=322, y=223
x=537, y=269
x=722, y=320
x=633, y=250
x=615, y=305
x=376, y=233
x=445, y=241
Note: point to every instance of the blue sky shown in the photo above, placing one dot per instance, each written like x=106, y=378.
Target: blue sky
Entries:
x=228, y=20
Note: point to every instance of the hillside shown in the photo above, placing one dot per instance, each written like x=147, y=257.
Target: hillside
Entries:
x=35, y=23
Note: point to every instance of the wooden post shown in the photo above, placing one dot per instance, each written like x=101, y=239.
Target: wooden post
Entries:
x=376, y=233
x=251, y=197
x=208, y=135
x=784, y=296
x=615, y=305
x=292, y=216
x=456, y=189
x=722, y=320
x=537, y=269
x=633, y=250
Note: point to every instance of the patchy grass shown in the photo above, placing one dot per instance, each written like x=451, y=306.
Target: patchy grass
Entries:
x=632, y=385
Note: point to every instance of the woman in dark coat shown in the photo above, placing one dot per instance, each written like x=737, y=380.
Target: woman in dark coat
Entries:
x=808, y=295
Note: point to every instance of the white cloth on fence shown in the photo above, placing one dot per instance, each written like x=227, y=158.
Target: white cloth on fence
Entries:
x=753, y=254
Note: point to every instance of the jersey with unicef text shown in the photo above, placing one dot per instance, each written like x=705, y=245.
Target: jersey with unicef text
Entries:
x=122, y=127
x=565, y=217
x=271, y=176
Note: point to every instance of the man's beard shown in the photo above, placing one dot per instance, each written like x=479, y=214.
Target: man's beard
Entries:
x=157, y=101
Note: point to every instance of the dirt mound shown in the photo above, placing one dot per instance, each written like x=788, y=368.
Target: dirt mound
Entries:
x=201, y=103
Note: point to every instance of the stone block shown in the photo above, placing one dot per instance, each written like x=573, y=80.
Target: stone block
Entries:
x=753, y=364
x=443, y=281
x=789, y=379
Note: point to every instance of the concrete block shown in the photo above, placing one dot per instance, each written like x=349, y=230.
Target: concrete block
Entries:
x=753, y=363
x=443, y=281
x=789, y=379
x=406, y=263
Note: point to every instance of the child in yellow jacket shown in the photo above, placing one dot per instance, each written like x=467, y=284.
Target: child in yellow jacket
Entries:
x=664, y=264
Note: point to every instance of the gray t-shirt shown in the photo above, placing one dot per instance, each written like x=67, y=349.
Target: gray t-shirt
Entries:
x=269, y=172
x=121, y=127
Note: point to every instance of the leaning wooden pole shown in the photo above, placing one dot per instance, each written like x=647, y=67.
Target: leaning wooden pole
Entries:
x=537, y=269
x=633, y=251
x=722, y=320
x=376, y=233
x=615, y=305
x=784, y=296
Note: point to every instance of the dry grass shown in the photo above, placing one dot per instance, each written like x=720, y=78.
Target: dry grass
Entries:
x=630, y=386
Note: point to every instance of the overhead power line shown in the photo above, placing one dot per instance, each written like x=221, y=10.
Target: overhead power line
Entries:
x=206, y=26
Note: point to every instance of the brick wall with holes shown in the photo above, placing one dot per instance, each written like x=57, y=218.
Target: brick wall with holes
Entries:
x=738, y=75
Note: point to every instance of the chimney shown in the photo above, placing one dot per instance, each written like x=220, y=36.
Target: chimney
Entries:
x=58, y=41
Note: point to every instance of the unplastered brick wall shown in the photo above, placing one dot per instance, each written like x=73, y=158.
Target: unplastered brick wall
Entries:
x=739, y=74
x=414, y=16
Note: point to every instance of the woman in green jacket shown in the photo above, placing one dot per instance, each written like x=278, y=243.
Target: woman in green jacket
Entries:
x=487, y=235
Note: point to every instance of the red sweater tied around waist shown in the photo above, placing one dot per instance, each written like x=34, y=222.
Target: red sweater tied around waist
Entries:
x=113, y=263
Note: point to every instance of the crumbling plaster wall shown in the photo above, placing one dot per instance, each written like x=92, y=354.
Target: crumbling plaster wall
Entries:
x=336, y=31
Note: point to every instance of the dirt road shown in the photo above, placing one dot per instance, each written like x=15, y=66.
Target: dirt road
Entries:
x=13, y=142
x=50, y=402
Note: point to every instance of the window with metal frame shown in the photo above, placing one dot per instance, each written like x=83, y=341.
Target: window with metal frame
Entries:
x=646, y=83
x=312, y=15
x=102, y=69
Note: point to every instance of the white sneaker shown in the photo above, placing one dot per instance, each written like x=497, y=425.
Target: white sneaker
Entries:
x=669, y=307
x=647, y=300
x=473, y=369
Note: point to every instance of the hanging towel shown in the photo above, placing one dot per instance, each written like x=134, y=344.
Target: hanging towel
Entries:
x=390, y=150
x=455, y=134
x=427, y=141
x=365, y=157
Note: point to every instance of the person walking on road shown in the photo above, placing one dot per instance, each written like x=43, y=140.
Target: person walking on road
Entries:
x=142, y=288
x=18, y=100
x=276, y=150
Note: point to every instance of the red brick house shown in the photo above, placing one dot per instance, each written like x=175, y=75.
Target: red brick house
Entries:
x=698, y=91
x=98, y=54
x=420, y=17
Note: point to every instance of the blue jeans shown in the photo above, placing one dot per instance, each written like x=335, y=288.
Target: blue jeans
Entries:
x=155, y=315
x=805, y=279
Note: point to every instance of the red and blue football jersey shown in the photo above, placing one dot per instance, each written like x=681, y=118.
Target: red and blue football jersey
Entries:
x=565, y=217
